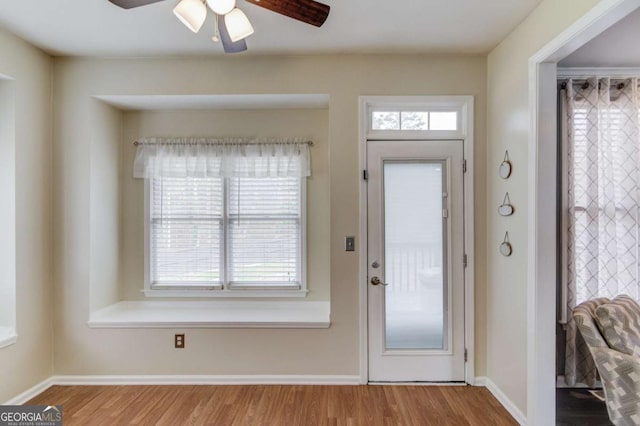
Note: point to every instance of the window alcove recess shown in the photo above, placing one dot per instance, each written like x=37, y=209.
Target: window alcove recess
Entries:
x=223, y=218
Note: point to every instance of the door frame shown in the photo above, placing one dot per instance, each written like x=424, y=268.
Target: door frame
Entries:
x=464, y=105
x=541, y=273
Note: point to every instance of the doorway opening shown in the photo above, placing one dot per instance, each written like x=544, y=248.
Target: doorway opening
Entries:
x=543, y=253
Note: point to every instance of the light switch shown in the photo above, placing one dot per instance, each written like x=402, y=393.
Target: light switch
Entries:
x=350, y=244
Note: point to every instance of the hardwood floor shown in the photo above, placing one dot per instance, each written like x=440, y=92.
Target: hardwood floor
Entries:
x=276, y=405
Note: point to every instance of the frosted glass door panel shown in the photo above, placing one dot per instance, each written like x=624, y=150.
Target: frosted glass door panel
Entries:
x=414, y=250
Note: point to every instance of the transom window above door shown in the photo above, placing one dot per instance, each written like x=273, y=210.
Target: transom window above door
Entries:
x=416, y=117
x=414, y=120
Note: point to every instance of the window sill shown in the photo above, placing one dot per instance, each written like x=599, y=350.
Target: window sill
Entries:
x=212, y=314
x=8, y=336
x=225, y=293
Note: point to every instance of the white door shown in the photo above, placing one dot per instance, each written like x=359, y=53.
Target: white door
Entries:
x=415, y=261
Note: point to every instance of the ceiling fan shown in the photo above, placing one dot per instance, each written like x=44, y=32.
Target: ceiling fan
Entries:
x=232, y=25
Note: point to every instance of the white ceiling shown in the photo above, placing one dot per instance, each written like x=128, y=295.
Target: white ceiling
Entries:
x=98, y=28
x=616, y=47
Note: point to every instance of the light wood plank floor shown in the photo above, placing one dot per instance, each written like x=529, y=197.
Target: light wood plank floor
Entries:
x=276, y=405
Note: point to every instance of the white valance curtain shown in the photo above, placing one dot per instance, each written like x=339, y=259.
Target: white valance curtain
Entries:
x=602, y=134
x=208, y=157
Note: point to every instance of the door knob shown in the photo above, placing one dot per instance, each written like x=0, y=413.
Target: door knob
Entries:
x=376, y=281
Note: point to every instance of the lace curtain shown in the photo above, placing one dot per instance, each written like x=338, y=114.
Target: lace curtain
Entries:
x=206, y=157
x=603, y=143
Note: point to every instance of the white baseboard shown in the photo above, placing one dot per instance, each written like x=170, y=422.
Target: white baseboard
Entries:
x=183, y=380
x=562, y=383
x=502, y=399
x=480, y=381
x=207, y=380
x=31, y=392
x=425, y=384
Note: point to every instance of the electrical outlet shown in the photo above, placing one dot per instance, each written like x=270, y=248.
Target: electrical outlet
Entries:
x=179, y=341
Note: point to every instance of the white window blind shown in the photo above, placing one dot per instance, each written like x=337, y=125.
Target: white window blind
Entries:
x=224, y=214
x=258, y=218
x=186, y=240
x=264, y=232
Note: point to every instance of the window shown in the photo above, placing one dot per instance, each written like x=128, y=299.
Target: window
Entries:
x=8, y=333
x=224, y=217
x=443, y=120
x=407, y=120
x=226, y=234
x=600, y=125
x=264, y=227
x=186, y=238
x=417, y=117
x=601, y=200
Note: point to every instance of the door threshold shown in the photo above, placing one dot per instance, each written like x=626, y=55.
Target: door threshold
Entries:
x=418, y=383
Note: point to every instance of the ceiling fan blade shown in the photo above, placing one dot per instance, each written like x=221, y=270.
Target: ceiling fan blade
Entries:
x=130, y=4
x=228, y=45
x=308, y=11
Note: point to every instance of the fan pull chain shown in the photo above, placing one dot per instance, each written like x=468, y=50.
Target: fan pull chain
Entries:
x=216, y=32
x=161, y=201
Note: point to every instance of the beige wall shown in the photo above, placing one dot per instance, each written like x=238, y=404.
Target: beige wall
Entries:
x=84, y=156
x=298, y=123
x=508, y=128
x=105, y=232
x=29, y=361
x=79, y=350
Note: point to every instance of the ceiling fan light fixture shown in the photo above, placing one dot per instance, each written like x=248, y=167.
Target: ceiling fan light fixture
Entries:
x=221, y=7
x=192, y=13
x=238, y=25
x=228, y=45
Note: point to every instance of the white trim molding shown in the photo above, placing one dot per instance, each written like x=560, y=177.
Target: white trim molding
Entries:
x=8, y=336
x=541, y=289
x=222, y=294
x=621, y=72
x=602, y=16
x=503, y=399
x=419, y=384
x=8, y=282
x=31, y=393
x=561, y=383
x=363, y=131
x=464, y=105
x=210, y=380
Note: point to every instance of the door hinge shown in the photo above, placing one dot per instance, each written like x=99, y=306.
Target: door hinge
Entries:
x=465, y=354
x=464, y=260
x=464, y=166
x=365, y=175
